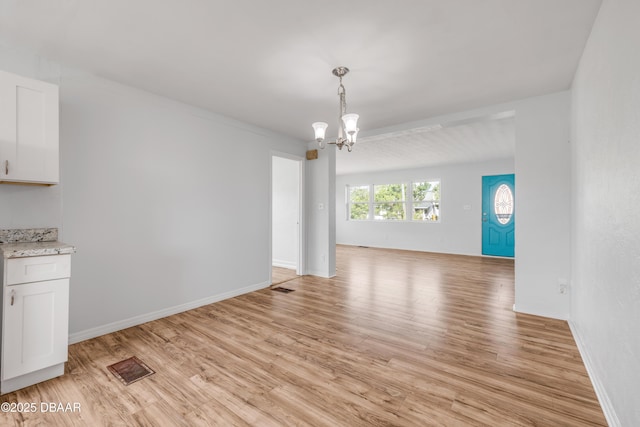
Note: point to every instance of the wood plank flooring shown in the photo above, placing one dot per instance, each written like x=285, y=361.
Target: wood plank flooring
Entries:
x=281, y=275
x=397, y=338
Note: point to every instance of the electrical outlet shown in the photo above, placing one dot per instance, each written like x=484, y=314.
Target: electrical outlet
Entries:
x=563, y=286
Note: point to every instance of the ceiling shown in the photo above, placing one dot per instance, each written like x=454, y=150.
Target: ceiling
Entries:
x=269, y=62
x=473, y=140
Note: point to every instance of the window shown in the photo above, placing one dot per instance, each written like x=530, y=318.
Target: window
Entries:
x=503, y=204
x=389, y=201
x=358, y=202
x=426, y=201
x=408, y=201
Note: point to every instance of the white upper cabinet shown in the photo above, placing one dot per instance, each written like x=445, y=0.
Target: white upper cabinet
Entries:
x=28, y=130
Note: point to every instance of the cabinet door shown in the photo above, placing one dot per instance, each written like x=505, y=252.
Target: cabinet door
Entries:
x=28, y=130
x=35, y=326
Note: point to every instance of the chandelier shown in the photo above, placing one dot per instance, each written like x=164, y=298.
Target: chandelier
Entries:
x=347, y=123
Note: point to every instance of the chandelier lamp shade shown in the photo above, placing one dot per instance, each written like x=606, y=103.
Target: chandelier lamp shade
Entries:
x=347, y=123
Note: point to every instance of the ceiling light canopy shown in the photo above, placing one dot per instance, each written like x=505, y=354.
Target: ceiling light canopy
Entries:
x=347, y=123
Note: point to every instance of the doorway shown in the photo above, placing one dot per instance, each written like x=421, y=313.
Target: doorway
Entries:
x=286, y=216
x=498, y=215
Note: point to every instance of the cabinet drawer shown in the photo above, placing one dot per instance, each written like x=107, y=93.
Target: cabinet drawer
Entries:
x=37, y=269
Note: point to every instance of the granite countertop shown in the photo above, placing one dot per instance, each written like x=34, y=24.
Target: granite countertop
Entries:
x=18, y=243
x=25, y=249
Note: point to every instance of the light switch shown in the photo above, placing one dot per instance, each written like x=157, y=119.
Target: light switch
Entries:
x=467, y=207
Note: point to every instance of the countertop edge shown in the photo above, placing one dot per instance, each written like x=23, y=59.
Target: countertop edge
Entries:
x=30, y=249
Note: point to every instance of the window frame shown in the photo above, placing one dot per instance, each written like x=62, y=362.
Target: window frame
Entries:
x=349, y=203
x=438, y=184
x=391, y=202
x=408, y=202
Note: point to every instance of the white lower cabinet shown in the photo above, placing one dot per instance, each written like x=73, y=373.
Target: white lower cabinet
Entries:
x=35, y=326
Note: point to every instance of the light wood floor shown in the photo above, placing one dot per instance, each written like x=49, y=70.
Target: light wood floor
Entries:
x=281, y=275
x=397, y=338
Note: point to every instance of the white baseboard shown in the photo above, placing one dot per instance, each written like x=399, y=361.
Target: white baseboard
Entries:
x=319, y=273
x=541, y=313
x=601, y=393
x=284, y=264
x=148, y=317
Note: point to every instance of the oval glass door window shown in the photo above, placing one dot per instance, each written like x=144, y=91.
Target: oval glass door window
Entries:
x=503, y=204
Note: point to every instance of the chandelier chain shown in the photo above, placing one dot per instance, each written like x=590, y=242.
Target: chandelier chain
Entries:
x=342, y=92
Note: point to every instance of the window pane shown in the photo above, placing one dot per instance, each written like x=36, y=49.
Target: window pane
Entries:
x=426, y=212
x=359, y=211
x=427, y=191
x=359, y=194
x=426, y=201
x=392, y=211
x=389, y=192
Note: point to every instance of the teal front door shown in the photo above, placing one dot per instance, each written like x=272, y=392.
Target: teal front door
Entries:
x=498, y=215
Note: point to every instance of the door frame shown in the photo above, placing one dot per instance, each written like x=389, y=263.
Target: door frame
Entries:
x=301, y=240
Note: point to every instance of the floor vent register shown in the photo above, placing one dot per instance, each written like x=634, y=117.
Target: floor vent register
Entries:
x=130, y=370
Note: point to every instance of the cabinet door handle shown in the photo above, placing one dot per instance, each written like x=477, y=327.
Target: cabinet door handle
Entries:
x=6, y=167
x=13, y=295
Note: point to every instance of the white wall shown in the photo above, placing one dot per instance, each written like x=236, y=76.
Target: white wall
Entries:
x=285, y=182
x=168, y=205
x=458, y=232
x=321, y=212
x=543, y=197
x=606, y=224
